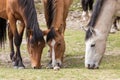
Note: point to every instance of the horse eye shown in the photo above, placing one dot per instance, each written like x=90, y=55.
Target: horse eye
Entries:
x=58, y=44
x=92, y=45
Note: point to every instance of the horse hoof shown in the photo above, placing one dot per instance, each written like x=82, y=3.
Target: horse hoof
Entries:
x=21, y=67
x=15, y=67
x=56, y=68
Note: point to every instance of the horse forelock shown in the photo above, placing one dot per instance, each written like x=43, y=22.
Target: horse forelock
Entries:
x=50, y=12
x=88, y=34
x=51, y=35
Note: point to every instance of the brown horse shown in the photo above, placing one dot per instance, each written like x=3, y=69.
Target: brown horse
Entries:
x=24, y=11
x=56, y=12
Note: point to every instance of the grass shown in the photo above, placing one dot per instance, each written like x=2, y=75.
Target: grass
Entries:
x=64, y=74
x=73, y=63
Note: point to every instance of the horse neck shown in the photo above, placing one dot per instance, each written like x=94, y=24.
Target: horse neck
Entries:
x=30, y=19
x=106, y=17
x=28, y=13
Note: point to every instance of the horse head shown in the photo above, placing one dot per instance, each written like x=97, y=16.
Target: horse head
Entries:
x=35, y=45
x=56, y=43
x=95, y=47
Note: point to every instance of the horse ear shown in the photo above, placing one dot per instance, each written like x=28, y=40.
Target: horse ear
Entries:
x=92, y=30
x=45, y=32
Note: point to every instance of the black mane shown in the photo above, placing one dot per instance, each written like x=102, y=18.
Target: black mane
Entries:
x=31, y=19
x=94, y=17
x=51, y=14
x=51, y=35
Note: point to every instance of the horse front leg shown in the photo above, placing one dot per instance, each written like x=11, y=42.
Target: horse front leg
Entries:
x=21, y=27
x=85, y=15
x=10, y=36
x=17, y=40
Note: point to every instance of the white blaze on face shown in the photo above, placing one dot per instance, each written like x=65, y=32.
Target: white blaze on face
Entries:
x=89, y=53
x=53, y=53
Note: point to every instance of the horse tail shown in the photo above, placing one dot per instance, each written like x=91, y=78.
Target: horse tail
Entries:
x=50, y=12
x=3, y=24
x=96, y=12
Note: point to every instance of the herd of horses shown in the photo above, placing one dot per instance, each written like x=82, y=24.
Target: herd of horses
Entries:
x=56, y=11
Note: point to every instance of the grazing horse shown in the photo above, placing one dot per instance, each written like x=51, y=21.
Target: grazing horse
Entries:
x=87, y=6
x=99, y=26
x=56, y=12
x=24, y=11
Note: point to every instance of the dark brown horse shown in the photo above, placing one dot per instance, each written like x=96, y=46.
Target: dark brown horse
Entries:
x=56, y=12
x=87, y=6
x=24, y=11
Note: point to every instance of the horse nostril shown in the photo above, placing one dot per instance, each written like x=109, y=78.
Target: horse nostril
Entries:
x=36, y=68
x=59, y=64
x=93, y=66
x=97, y=67
x=88, y=66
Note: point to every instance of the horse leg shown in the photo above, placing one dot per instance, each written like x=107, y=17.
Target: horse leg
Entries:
x=90, y=7
x=10, y=36
x=46, y=18
x=17, y=40
x=21, y=28
x=85, y=10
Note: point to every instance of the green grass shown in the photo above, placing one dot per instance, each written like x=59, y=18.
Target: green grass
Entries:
x=64, y=74
x=73, y=62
